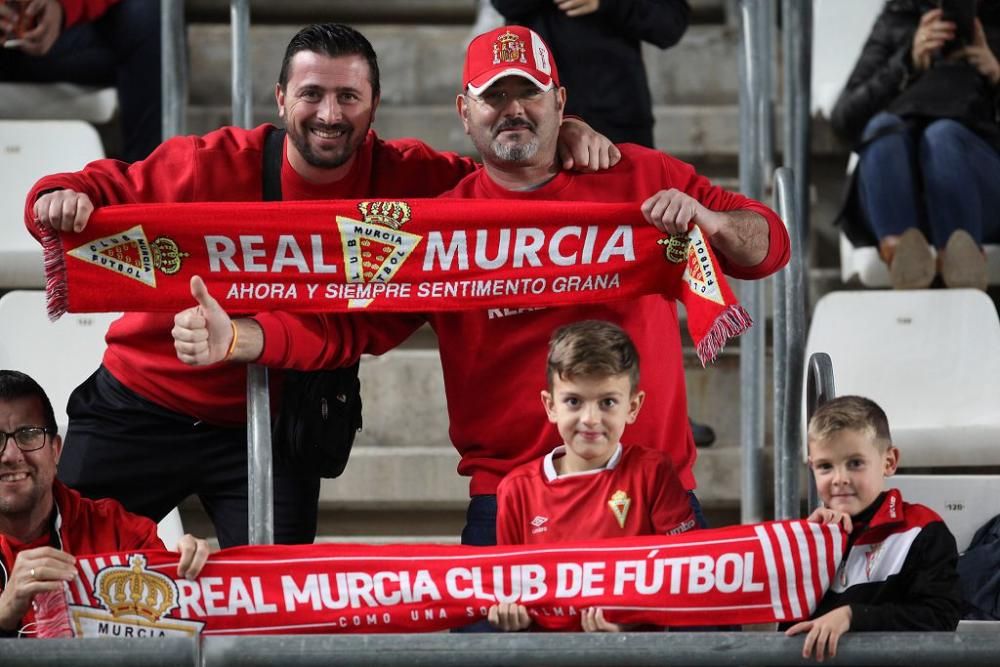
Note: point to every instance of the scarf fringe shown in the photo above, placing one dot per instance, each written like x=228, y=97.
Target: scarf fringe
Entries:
x=731, y=322
x=52, y=616
x=56, y=296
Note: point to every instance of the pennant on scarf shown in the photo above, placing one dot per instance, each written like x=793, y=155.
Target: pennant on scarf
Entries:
x=776, y=571
x=418, y=255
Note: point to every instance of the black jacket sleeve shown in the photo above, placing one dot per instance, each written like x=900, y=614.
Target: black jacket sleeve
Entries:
x=882, y=71
x=930, y=599
x=659, y=22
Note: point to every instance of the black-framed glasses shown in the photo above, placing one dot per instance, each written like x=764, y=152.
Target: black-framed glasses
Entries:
x=27, y=438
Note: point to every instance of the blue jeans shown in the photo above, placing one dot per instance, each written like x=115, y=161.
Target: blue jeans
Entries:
x=120, y=48
x=939, y=179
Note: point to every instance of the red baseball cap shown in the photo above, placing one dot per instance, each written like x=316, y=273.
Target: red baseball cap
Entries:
x=512, y=50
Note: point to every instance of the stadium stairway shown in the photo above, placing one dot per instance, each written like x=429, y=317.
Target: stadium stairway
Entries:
x=401, y=479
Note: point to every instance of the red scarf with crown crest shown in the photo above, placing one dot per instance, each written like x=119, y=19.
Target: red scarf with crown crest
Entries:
x=418, y=255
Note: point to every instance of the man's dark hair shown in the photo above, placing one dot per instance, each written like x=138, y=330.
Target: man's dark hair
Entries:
x=16, y=385
x=334, y=40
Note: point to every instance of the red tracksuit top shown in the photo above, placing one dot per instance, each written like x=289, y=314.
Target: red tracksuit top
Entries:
x=494, y=361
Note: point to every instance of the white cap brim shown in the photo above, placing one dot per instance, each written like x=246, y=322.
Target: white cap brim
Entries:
x=510, y=71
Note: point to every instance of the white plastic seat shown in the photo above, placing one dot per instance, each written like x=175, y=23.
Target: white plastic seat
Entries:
x=28, y=151
x=57, y=101
x=840, y=28
x=930, y=358
x=965, y=502
x=58, y=355
x=864, y=264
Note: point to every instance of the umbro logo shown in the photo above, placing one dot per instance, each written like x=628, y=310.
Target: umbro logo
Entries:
x=539, y=524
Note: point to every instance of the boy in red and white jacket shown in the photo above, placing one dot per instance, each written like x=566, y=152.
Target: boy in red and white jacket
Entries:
x=899, y=572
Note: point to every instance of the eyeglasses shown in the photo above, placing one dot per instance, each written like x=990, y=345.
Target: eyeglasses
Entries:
x=498, y=99
x=27, y=438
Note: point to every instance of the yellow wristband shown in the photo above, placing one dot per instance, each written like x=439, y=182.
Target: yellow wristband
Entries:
x=232, y=344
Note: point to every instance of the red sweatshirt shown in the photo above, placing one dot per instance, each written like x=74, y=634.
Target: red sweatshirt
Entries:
x=225, y=165
x=494, y=361
x=84, y=11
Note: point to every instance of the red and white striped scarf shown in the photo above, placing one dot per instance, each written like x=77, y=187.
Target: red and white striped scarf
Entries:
x=775, y=571
x=402, y=256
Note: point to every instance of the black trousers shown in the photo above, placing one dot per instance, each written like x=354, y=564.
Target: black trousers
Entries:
x=122, y=446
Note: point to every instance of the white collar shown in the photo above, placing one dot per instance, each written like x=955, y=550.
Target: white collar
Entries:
x=550, y=469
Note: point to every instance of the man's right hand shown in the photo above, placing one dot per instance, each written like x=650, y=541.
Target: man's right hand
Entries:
x=203, y=333
x=35, y=571
x=64, y=210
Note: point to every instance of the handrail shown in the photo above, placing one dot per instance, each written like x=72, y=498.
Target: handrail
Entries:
x=918, y=649
x=820, y=388
x=797, y=49
x=260, y=472
x=753, y=106
x=173, y=67
x=789, y=352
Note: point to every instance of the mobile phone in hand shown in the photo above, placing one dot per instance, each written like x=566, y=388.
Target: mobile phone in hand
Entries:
x=963, y=14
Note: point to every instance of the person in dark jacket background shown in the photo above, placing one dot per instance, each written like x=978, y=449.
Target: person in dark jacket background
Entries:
x=597, y=44
x=920, y=110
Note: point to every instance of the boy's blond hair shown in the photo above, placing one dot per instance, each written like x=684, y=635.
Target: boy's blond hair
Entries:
x=855, y=413
x=592, y=349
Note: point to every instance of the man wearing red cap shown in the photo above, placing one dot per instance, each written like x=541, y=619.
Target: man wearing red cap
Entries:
x=511, y=106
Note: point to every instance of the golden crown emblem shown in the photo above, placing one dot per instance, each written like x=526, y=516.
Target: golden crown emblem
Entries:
x=392, y=214
x=134, y=591
x=676, y=247
x=167, y=255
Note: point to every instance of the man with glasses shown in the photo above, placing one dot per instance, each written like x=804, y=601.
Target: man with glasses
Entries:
x=511, y=105
x=43, y=522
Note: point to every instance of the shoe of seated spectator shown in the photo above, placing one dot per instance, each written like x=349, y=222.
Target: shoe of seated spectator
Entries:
x=963, y=263
x=911, y=263
x=704, y=436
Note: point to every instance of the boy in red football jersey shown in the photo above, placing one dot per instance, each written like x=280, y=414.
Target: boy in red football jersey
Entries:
x=591, y=486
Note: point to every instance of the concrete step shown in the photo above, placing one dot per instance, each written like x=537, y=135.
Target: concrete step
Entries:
x=382, y=11
x=422, y=64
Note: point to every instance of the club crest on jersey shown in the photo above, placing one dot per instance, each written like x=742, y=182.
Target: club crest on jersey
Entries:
x=509, y=49
x=676, y=247
x=137, y=601
x=619, y=504
x=700, y=270
x=132, y=255
x=375, y=247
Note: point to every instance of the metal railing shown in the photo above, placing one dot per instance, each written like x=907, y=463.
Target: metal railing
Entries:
x=754, y=104
x=916, y=649
x=789, y=356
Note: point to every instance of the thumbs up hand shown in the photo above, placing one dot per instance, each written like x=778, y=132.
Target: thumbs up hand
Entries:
x=203, y=334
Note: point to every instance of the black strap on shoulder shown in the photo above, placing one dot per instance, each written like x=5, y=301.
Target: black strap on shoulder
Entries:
x=271, y=173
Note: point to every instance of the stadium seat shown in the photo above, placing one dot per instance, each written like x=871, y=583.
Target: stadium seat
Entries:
x=930, y=358
x=28, y=151
x=864, y=264
x=840, y=28
x=57, y=101
x=58, y=355
x=965, y=502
